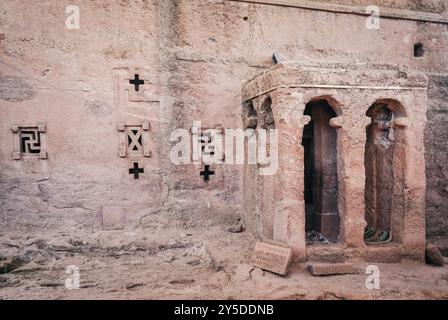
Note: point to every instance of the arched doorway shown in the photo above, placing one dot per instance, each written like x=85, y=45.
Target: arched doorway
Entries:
x=384, y=163
x=321, y=174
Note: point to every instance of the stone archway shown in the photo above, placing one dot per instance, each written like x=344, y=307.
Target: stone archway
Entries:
x=321, y=191
x=384, y=161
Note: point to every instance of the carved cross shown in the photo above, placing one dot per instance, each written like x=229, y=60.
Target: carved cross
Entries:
x=207, y=173
x=137, y=82
x=136, y=171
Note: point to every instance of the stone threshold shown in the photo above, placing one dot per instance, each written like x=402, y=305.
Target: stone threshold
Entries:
x=340, y=253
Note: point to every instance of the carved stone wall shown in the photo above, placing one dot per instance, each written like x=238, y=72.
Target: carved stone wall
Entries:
x=193, y=57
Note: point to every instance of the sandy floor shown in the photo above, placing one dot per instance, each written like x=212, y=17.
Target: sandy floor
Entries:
x=179, y=264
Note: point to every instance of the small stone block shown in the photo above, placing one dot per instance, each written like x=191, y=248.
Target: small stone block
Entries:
x=305, y=120
x=16, y=156
x=278, y=58
x=121, y=127
x=41, y=127
x=433, y=255
x=272, y=257
x=146, y=125
x=43, y=155
x=337, y=122
x=219, y=129
x=147, y=153
x=329, y=269
x=400, y=123
x=122, y=153
x=15, y=128
x=113, y=218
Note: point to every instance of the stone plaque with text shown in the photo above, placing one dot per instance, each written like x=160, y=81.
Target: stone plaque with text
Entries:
x=272, y=257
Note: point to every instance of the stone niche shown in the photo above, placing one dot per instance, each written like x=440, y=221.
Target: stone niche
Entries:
x=350, y=153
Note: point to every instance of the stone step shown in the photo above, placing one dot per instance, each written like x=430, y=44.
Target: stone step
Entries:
x=328, y=269
x=331, y=253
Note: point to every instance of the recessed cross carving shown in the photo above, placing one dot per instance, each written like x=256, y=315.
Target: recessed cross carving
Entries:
x=137, y=82
x=207, y=173
x=136, y=171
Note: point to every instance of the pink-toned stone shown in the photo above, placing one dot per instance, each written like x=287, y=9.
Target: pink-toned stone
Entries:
x=272, y=257
x=328, y=269
x=113, y=218
x=194, y=57
x=291, y=86
x=433, y=255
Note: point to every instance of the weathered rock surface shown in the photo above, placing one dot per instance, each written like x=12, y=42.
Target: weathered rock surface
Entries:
x=433, y=255
x=328, y=269
x=15, y=89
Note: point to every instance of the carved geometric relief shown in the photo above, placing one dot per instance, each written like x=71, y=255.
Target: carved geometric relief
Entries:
x=210, y=145
x=207, y=173
x=134, y=140
x=208, y=153
x=205, y=140
x=135, y=143
x=137, y=82
x=133, y=86
x=136, y=170
x=29, y=141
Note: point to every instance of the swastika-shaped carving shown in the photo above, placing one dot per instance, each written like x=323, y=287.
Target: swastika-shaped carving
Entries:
x=210, y=144
x=30, y=141
x=205, y=139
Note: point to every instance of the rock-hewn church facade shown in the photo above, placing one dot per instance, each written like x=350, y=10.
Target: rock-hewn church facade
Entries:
x=87, y=116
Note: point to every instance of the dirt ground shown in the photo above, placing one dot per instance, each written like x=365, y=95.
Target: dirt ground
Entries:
x=182, y=264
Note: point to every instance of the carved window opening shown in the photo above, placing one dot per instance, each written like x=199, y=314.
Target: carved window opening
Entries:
x=137, y=82
x=207, y=173
x=136, y=170
x=135, y=141
x=205, y=140
x=419, y=50
x=321, y=175
x=29, y=141
x=208, y=145
x=207, y=150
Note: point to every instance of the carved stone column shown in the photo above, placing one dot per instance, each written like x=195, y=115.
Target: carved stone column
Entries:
x=351, y=171
x=413, y=236
x=289, y=215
